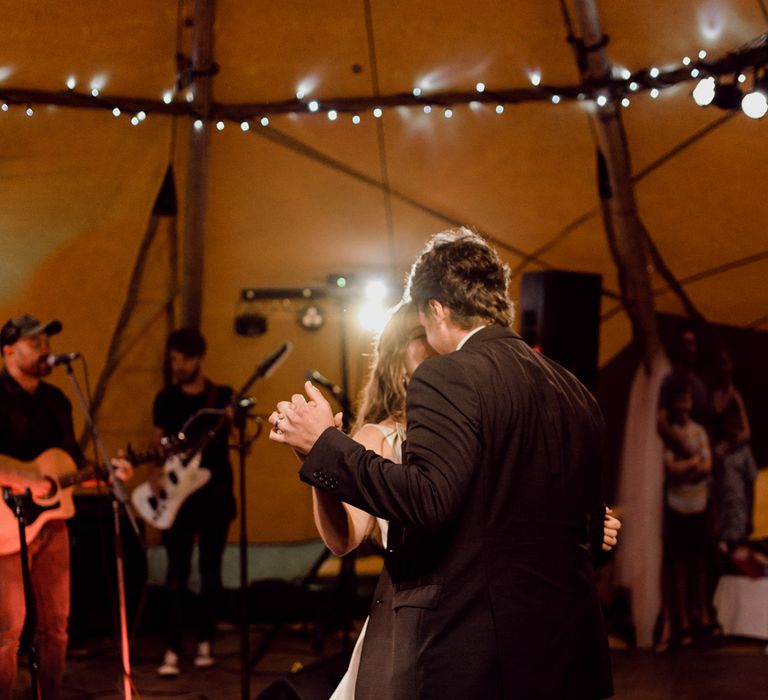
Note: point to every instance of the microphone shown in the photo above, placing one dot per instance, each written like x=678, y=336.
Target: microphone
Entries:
x=65, y=359
x=270, y=364
x=314, y=375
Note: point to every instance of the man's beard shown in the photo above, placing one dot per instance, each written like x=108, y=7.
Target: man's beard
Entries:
x=39, y=369
x=183, y=379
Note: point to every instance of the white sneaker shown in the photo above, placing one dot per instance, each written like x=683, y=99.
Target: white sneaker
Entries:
x=170, y=666
x=203, y=658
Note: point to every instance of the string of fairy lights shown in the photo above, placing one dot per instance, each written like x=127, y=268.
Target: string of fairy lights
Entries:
x=737, y=80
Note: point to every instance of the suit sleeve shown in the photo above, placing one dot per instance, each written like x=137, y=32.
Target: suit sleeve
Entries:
x=441, y=455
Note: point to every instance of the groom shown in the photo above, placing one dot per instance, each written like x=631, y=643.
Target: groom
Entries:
x=488, y=589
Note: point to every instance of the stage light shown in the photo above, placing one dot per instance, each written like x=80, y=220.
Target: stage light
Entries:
x=250, y=324
x=373, y=316
x=704, y=92
x=755, y=104
x=376, y=291
x=311, y=317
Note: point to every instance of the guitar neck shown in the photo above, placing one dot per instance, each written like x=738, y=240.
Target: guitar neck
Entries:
x=74, y=478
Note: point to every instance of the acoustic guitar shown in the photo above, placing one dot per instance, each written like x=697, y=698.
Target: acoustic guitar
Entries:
x=60, y=469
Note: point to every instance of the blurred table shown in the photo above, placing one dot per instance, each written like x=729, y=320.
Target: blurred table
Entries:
x=742, y=606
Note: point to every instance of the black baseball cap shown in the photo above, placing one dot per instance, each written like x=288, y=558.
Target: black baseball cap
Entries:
x=25, y=326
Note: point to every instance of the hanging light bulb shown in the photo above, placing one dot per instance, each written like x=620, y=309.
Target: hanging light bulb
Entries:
x=264, y=121
x=198, y=124
x=244, y=126
x=377, y=112
x=556, y=99
x=355, y=119
x=427, y=109
x=499, y=109
x=417, y=92
x=754, y=105
x=448, y=113
x=220, y=125
x=602, y=100
x=704, y=92
x=480, y=87
x=71, y=82
x=30, y=111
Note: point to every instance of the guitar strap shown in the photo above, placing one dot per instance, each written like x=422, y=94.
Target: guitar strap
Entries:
x=210, y=399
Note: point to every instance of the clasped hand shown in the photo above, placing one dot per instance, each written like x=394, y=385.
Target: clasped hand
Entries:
x=299, y=422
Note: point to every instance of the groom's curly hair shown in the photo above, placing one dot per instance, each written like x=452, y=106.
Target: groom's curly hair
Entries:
x=461, y=270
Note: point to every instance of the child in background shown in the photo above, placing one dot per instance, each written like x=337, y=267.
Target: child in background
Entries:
x=686, y=528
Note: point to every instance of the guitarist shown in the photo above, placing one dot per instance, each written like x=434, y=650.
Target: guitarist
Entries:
x=34, y=416
x=206, y=513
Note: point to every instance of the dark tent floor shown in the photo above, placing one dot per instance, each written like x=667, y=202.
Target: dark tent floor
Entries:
x=736, y=669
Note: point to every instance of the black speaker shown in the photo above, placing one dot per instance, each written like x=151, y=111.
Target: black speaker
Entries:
x=314, y=682
x=93, y=570
x=560, y=316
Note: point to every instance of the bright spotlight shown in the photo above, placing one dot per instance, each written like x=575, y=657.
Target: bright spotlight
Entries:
x=373, y=316
x=375, y=291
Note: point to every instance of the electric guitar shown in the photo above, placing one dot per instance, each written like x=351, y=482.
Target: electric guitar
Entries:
x=182, y=474
x=60, y=469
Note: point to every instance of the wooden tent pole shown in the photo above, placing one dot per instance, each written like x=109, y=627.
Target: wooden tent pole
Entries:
x=195, y=204
x=630, y=249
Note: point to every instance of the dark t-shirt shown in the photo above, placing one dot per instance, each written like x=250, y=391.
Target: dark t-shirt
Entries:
x=173, y=407
x=33, y=423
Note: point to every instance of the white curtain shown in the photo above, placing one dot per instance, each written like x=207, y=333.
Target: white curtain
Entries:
x=641, y=484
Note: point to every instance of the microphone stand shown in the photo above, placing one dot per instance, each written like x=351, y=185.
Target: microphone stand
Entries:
x=240, y=405
x=17, y=503
x=119, y=497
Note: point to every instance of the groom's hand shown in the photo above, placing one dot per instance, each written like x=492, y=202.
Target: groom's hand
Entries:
x=300, y=421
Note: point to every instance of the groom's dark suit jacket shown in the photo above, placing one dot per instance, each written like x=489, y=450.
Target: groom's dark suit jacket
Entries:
x=488, y=589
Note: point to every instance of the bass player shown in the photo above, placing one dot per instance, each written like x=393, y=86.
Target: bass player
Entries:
x=206, y=513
